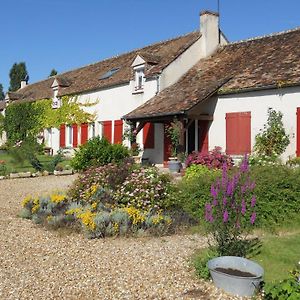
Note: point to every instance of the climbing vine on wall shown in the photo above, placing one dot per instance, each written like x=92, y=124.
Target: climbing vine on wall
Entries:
x=28, y=119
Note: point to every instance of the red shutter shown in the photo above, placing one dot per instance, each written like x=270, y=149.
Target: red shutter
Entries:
x=84, y=133
x=238, y=133
x=148, y=136
x=298, y=132
x=203, y=135
x=75, y=135
x=118, y=131
x=62, y=136
x=107, y=130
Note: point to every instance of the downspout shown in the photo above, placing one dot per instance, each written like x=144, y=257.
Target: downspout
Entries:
x=157, y=84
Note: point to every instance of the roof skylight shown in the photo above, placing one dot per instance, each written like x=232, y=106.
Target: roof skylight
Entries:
x=109, y=73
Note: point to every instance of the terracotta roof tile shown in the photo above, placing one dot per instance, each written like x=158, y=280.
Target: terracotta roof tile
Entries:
x=266, y=62
x=87, y=78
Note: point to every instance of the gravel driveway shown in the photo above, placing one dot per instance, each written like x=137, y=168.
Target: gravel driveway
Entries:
x=39, y=264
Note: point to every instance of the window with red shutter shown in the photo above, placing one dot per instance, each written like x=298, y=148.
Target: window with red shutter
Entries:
x=118, y=131
x=238, y=133
x=84, y=133
x=75, y=135
x=107, y=130
x=148, y=136
x=62, y=136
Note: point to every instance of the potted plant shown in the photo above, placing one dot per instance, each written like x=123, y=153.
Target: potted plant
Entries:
x=135, y=152
x=173, y=132
x=230, y=216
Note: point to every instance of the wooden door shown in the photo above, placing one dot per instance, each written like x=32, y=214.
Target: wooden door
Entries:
x=203, y=126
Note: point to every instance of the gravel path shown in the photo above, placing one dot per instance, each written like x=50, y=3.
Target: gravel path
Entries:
x=39, y=264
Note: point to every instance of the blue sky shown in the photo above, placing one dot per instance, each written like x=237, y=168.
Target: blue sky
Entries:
x=66, y=34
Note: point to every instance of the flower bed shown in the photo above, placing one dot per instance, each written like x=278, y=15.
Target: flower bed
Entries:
x=106, y=201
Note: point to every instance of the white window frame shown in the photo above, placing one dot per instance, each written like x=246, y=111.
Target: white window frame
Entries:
x=92, y=130
x=139, y=81
x=69, y=136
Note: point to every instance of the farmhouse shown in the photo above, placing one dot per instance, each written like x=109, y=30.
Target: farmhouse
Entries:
x=219, y=91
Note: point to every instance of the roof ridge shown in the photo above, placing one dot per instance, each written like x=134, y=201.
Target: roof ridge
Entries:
x=128, y=52
x=112, y=57
x=264, y=36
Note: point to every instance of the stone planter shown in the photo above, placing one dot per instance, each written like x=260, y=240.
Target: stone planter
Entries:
x=63, y=172
x=174, y=165
x=20, y=175
x=236, y=275
x=137, y=159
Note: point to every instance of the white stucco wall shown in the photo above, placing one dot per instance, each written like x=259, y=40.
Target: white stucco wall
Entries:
x=285, y=100
x=181, y=65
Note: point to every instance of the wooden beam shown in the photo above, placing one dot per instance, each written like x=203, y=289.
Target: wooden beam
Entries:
x=201, y=117
x=140, y=127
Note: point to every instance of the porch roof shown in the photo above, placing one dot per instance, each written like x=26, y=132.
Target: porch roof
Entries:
x=261, y=63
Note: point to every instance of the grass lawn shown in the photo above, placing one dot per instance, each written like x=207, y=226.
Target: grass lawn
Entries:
x=12, y=166
x=279, y=255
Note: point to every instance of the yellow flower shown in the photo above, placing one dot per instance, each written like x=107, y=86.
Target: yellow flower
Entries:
x=26, y=200
x=135, y=215
x=94, y=205
x=116, y=227
x=57, y=198
x=157, y=219
x=74, y=211
x=87, y=218
x=36, y=205
x=49, y=218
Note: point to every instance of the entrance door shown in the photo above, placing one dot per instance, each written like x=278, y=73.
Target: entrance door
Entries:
x=298, y=132
x=203, y=135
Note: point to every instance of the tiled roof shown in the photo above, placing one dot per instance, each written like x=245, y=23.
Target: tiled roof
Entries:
x=267, y=62
x=2, y=105
x=87, y=78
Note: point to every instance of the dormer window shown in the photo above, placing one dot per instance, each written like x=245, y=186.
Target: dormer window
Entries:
x=139, y=79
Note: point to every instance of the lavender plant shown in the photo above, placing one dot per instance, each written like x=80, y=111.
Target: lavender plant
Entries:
x=231, y=212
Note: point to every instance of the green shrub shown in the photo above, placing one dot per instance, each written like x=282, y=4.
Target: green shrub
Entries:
x=98, y=152
x=98, y=183
x=200, y=262
x=288, y=289
x=191, y=196
x=278, y=194
x=195, y=171
x=272, y=139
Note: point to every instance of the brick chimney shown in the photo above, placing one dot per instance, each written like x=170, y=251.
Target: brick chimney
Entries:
x=209, y=28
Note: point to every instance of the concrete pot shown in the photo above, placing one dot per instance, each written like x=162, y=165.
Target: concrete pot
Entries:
x=174, y=166
x=240, y=284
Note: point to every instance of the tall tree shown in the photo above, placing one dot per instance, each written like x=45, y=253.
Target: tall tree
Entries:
x=17, y=73
x=53, y=73
x=2, y=96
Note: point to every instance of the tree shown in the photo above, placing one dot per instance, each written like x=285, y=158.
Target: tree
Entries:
x=2, y=95
x=17, y=73
x=272, y=139
x=53, y=73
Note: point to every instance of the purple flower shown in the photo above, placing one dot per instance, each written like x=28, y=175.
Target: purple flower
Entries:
x=253, y=201
x=245, y=165
x=215, y=202
x=208, y=207
x=253, y=218
x=230, y=188
x=225, y=216
x=243, y=210
x=243, y=189
x=213, y=191
x=224, y=201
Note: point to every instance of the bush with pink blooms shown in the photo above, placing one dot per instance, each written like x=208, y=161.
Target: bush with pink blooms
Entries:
x=214, y=159
x=231, y=212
